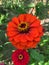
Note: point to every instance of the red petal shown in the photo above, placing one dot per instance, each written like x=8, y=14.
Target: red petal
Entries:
x=21, y=18
x=30, y=18
x=33, y=18
x=11, y=24
x=36, y=23
x=29, y=37
x=15, y=20
x=23, y=43
x=30, y=44
x=34, y=32
x=17, y=38
x=34, y=44
x=37, y=39
x=12, y=41
x=11, y=29
x=40, y=29
x=23, y=38
x=20, y=46
x=12, y=33
x=20, y=38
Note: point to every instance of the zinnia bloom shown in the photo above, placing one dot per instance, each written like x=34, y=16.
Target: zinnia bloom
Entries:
x=20, y=57
x=1, y=63
x=24, y=31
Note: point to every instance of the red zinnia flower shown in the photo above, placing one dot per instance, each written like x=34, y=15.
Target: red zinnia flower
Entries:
x=24, y=31
x=20, y=57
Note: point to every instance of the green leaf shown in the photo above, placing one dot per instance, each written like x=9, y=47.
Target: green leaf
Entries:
x=1, y=55
x=39, y=10
x=36, y=55
x=44, y=40
x=19, y=10
x=41, y=63
x=2, y=17
x=1, y=47
x=46, y=49
x=2, y=36
x=31, y=5
x=33, y=64
x=6, y=43
x=47, y=63
x=7, y=51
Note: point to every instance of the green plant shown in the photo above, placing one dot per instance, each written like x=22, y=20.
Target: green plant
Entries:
x=40, y=10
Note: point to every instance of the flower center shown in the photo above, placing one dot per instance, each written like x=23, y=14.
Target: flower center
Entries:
x=20, y=57
x=23, y=27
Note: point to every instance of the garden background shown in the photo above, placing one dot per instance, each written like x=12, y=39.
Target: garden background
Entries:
x=11, y=8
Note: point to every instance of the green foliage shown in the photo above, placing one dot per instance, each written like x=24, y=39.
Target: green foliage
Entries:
x=3, y=18
x=31, y=5
x=36, y=55
x=47, y=63
x=44, y=40
x=8, y=51
x=40, y=56
x=2, y=36
x=41, y=10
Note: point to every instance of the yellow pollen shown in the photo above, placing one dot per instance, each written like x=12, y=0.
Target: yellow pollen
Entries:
x=20, y=57
x=23, y=26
